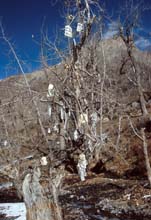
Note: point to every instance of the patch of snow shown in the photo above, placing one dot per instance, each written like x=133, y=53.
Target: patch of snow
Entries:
x=17, y=210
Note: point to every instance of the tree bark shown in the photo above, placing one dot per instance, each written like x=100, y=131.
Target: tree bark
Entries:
x=146, y=156
x=40, y=198
x=140, y=89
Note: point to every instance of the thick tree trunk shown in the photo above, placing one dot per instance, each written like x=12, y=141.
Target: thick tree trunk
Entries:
x=40, y=198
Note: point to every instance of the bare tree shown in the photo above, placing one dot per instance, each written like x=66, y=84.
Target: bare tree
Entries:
x=72, y=114
x=126, y=32
x=34, y=202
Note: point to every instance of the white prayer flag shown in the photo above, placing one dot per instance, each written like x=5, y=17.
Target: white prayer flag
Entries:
x=80, y=27
x=68, y=31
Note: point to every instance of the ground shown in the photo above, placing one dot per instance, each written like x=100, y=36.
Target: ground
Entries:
x=102, y=197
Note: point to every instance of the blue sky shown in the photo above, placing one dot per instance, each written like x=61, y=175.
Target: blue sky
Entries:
x=142, y=32
x=22, y=21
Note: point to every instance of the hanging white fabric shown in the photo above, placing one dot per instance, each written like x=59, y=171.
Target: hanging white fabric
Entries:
x=49, y=130
x=94, y=118
x=81, y=166
x=62, y=114
x=56, y=128
x=68, y=31
x=5, y=143
x=76, y=135
x=43, y=161
x=49, y=110
x=80, y=27
x=83, y=119
x=62, y=111
x=51, y=90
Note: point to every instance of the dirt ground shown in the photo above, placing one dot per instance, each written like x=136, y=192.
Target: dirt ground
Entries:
x=98, y=197
x=105, y=198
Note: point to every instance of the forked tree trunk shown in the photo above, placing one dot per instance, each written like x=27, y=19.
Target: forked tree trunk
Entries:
x=39, y=198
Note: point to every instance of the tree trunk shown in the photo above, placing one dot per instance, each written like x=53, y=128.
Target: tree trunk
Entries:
x=146, y=156
x=141, y=95
x=39, y=198
x=62, y=136
x=140, y=89
x=136, y=70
